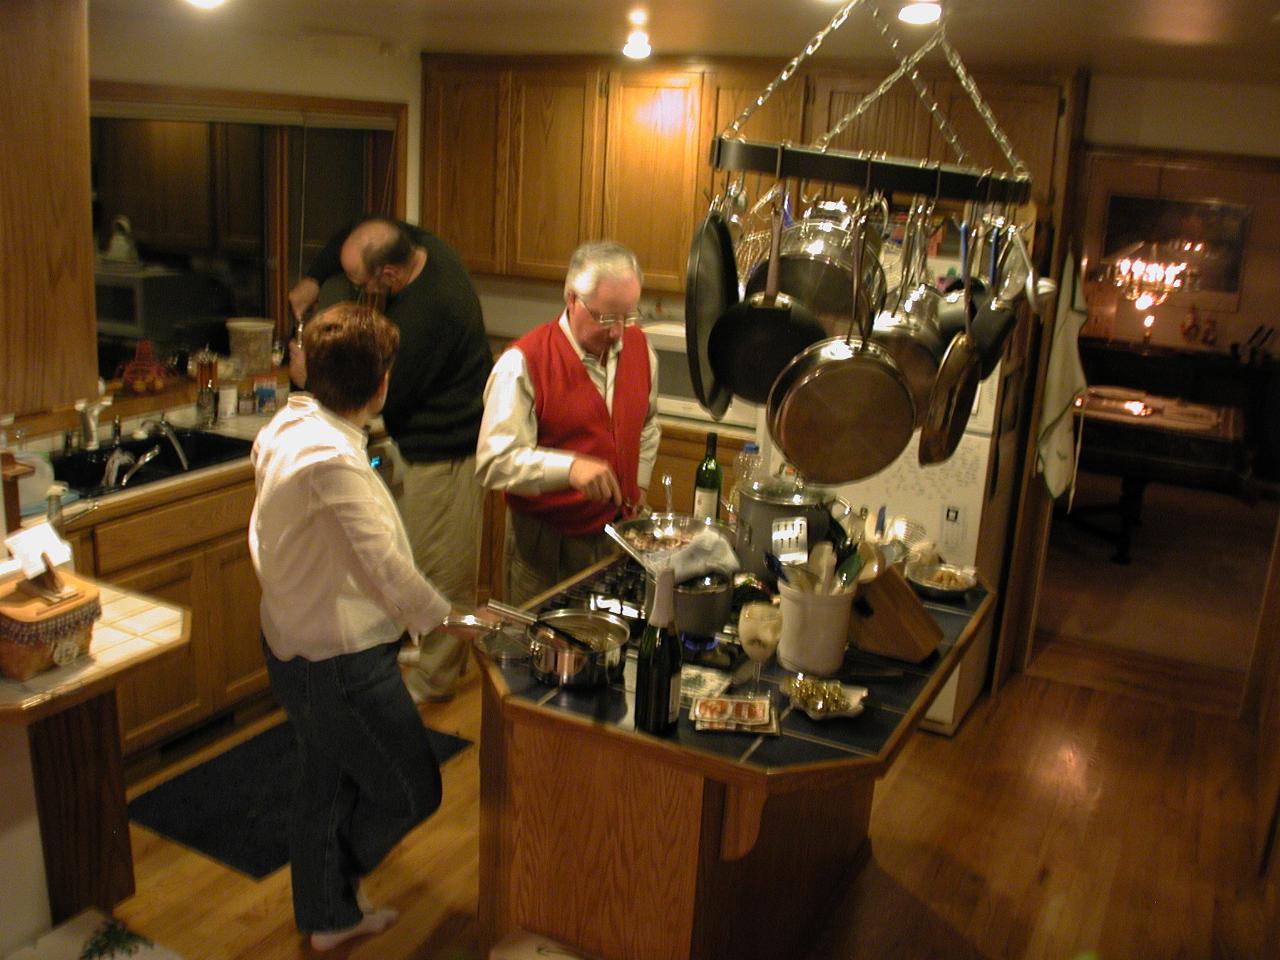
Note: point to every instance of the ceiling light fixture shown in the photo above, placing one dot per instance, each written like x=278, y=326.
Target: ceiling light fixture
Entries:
x=920, y=12
x=206, y=4
x=637, y=46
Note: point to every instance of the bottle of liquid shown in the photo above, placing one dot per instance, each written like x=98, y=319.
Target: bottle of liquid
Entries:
x=658, y=663
x=746, y=466
x=206, y=387
x=707, y=484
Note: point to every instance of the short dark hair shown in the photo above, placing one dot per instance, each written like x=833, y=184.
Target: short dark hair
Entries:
x=394, y=246
x=348, y=348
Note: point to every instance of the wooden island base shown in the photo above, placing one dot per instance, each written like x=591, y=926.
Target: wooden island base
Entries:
x=625, y=850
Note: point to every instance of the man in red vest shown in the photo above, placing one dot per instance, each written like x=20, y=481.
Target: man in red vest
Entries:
x=570, y=429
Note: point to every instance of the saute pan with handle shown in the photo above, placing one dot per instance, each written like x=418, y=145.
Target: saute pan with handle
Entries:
x=841, y=410
x=752, y=341
x=594, y=660
x=951, y=399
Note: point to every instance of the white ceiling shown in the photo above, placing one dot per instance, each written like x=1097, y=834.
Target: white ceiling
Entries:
x=1212, y=40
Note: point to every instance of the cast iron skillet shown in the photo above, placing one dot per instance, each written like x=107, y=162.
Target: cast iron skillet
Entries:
x=752, y=341
x=711, y=288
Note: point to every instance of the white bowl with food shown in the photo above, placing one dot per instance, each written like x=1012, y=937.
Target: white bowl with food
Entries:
x=941, y=581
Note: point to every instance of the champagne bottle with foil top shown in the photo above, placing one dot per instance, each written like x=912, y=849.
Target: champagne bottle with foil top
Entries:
x=707, y=484
x=657, y=705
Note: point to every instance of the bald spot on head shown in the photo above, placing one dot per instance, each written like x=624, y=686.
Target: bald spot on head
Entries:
x=366, y=238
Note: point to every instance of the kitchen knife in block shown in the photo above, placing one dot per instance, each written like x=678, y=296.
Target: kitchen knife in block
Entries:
x=889, y=619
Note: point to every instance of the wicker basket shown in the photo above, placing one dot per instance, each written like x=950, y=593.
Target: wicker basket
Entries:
x=35, y=636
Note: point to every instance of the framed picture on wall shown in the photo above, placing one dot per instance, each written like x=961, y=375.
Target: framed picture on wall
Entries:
x=1207, y=235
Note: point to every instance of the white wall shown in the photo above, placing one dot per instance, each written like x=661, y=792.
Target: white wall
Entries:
x=24, y=900
x=190, y=52
x=1184, y=115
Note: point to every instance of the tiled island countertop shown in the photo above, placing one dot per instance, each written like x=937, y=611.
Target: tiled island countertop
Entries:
x=132, y=629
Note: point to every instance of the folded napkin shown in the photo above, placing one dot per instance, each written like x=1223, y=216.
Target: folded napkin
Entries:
x=707, y=552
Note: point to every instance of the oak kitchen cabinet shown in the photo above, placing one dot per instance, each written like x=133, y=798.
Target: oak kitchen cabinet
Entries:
x=525, y=160
x=191, y=550
x=526, y=157
x=47, y=344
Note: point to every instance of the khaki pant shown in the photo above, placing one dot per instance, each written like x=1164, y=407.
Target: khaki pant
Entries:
x=538, y=557
x=442, y=505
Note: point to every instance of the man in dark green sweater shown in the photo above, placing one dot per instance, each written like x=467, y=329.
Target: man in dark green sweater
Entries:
x=434, y=402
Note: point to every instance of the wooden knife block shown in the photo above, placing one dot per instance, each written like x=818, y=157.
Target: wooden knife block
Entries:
x=888, y=619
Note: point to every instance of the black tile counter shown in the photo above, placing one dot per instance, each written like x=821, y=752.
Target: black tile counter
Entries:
x=869, y=736
x=696, y=844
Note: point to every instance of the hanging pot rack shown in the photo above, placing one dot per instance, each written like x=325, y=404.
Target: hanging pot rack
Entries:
x=873, y=171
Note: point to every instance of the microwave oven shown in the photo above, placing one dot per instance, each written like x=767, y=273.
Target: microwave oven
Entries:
x=158, y=303
x=676, y=396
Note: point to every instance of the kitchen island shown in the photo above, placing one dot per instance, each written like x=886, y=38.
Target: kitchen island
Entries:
x=694, y=845
x=62, y=800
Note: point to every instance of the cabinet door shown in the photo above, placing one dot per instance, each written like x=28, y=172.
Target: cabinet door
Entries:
x=555, y=167
x=464, y=160
x=236, y=653
x=173, y=691
x=240, y=180
x=897, y=124
x=1028, y=115
x=651, y=169
x=726, y=93
x=157, y=173
x=48, y=351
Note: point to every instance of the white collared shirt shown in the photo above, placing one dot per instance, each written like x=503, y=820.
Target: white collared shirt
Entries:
x=327, y=542
x=507, y=454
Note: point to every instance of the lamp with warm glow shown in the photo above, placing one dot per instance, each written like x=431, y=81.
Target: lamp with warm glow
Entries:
x=920, y=12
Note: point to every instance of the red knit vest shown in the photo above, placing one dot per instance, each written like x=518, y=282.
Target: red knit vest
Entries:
x=572, y=416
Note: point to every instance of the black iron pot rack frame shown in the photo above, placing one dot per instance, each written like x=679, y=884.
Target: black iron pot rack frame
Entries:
x=941, y=181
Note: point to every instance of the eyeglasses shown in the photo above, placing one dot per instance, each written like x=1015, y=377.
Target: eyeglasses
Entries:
x=609, y=319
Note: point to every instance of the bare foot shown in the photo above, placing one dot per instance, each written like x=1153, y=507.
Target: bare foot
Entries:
x=374, y=922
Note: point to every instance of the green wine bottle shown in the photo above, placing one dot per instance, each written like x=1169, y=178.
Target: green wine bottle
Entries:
x=657, y=705
x=707, y=484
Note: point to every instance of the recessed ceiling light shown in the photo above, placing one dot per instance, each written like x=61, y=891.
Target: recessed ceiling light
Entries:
x=206, y=4
x=919, y=12
x=637, y=46
x=638, y=17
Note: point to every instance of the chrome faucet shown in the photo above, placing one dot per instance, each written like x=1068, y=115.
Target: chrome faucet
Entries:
x=142, y=462
x=162, y=426
x=89, y=412
x=120, y=457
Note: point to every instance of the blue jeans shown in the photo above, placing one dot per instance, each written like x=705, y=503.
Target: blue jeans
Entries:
x=366, y=775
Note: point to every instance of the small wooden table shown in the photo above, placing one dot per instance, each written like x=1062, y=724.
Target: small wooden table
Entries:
x=694, y=845
x=1141, y=437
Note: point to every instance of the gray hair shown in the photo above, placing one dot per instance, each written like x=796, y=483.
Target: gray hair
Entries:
x=596, y=261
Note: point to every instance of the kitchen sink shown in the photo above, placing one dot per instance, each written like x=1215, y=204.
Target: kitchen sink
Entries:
x=84, y=470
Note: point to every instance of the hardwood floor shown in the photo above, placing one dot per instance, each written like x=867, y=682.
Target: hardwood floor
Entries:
x=1059, y=820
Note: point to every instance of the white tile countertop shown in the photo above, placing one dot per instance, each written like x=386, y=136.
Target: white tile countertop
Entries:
x=132, y=629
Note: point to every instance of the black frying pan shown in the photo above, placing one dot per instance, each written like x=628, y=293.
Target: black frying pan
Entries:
x=754, y=340
x=711, y=288
x=956, y=385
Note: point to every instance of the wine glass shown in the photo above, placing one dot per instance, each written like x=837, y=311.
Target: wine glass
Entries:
x=759, y=629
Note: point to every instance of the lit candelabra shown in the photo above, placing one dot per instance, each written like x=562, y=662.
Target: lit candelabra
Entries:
x=1148, y=281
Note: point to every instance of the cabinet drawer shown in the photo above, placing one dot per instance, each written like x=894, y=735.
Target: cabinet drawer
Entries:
x=163, y=530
